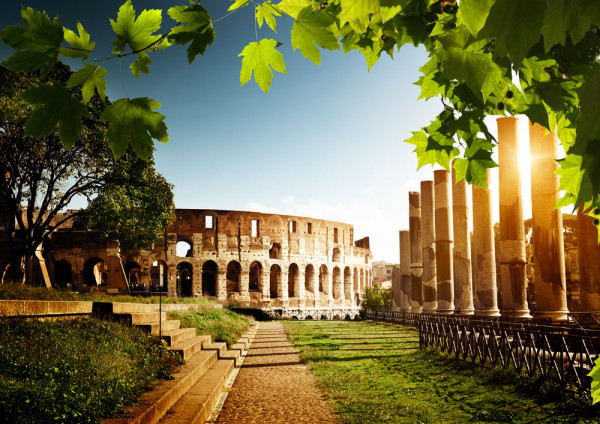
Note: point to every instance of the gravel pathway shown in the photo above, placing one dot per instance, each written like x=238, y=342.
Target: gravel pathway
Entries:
x=274, y=386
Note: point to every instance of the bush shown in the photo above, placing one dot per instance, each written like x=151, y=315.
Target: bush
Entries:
x=222, y=325
x=377, y=299
x=75, y=371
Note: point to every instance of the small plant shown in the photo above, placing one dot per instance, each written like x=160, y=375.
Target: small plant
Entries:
x=377, y=298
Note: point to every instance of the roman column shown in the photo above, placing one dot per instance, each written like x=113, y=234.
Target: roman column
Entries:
x=428, y=247
x=405, y=283
x=463, y=284
x=443, y=242
x=548, y=244
x=416, y=267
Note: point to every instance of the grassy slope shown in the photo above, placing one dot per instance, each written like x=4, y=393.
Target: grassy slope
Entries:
x=377, y=374
x=222, y=325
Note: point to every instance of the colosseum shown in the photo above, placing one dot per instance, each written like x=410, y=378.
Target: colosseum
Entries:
x=288, y=265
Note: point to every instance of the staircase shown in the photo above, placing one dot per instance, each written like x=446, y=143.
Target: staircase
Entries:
x=197, y=385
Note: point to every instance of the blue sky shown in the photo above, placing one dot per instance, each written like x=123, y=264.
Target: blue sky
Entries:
x=326, y=142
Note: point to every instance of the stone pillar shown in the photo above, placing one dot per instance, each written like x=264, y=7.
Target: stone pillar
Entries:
x=283, y=287
x=513, y=278
x=548, y=244
x=443, y=242
x=222, y=284
x=589, y=262
x=244, y=282
x=396, y=289
x=485, y=290
x=416, y=266
x=405, y=283
x=428, y=246
x=463, y=284
x=264, y=284
x=301, y=288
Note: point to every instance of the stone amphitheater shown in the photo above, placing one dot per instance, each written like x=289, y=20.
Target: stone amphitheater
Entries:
x=295, y=267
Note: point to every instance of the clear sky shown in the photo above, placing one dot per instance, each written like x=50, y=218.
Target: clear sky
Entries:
x=326, y=142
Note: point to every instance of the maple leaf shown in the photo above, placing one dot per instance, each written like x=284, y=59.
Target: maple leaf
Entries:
x=197, y=28
x=134, y=122
x=80, y=44
x=358, y=9
x=59, y=107
x=311, y=30
x=267, y=12
x=135, y=33
x=140, y=64
x=237, y=4
x=474, y=13
x=91, y=78
x=37, y=43
x=293, y=7
x=259, y=57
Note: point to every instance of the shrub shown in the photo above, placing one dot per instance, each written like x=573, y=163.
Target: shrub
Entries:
x=377, y=298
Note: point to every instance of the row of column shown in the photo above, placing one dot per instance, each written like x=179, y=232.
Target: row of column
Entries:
x=437, y=271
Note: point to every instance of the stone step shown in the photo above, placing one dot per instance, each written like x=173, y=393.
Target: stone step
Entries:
x=153, y=405
x=219, y=347
x=153, y=328
x=197, y=404
x=187, y=348
x=112, y=308
x=137, y=318
x=173, y=337
x=233, y=354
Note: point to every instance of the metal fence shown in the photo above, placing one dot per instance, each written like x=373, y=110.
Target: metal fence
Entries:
x=565, y=354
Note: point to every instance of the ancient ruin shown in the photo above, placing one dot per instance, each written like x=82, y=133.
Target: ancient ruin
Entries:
x=292, y=266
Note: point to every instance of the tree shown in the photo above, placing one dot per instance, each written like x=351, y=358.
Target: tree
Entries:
x=487, y=57
x=377, y=298
x=42, y=176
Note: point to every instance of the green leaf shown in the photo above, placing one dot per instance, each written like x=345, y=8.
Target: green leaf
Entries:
x=390, y=8
x=91, y=78
x=59, y=107
x=80, y=44
x=141, y=64
x=595, y=385
x=259, y=57
x=135, y=33
x=311, y=30
x=197, y=28
x=238, y=4
x=267, y=12
x=37, y=44
x=293, y=7
x=516, y=26
x=566, y=17
x=358, y=9
x=134, y=122
x=474, y=13
x=477, y=70
x=588, y=124
x=430, y=152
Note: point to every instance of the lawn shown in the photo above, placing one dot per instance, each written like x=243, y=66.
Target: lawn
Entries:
x=375, y=373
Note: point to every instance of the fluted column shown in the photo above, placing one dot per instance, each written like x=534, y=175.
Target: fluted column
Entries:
x=513, y=278
x=405, y=283
x=428, y=247
x=485, y=290
x=589, y=262
x=548, y=244
x=463, y=284
x=443, y=241
x=416, y=267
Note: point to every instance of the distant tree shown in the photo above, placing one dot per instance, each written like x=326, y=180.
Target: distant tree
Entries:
x=377, y=299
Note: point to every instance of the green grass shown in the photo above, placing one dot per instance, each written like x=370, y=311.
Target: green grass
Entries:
x=376, y=374
x=75, y=371
x=222, y=325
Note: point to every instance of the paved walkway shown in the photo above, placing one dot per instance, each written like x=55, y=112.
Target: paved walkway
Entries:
x=273, y=386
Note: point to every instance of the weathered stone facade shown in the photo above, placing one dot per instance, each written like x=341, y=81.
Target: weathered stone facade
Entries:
x=295, y=266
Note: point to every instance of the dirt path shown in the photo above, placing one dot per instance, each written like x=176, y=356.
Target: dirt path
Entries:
x=273, y=386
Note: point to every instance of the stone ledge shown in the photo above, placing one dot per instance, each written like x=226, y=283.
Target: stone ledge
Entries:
x=43, y=308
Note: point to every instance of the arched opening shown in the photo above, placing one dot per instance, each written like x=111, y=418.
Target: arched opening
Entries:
x=274, y=280
x=275, y=251
x=185, y=275
x=323, y=318
x=132, y=273
x=63, y=274
x=336, y=256
x=308, y=317
x=347, y=283
x=94, y=272
x=158, y=276
x=209, y=278
x=309, y=279
x=337, y=317
x=233, y=277
x=183, y=249
x=337, y=283
x=347, y=317
x=255, y=276
x=293, y=286
x=323, y=279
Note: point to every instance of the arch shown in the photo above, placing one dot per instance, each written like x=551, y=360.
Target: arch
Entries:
x=234, y=270
x=323, y=279
x=274, y=280
x=158, y=276
x=63, y=274
x=309, y=278
x=293, y=283
x=132, y=273
x=336, y=256
x=347, y=282
x=347, y=317
x=210, y=270
x=337, y=317
x=255, y=276
x=183, y=249
x=185, y=276
x=323, y=318
x=93, y=271
x=337, y=283
x=275, y=251
x=308, y=317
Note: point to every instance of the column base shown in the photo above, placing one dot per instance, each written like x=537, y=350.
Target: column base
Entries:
x=405, y=310
x=430, y=307
x=487, y=312
x=465, y=311
x=416, y=310
x=557, y=316
x=445, y=311
x=518, y=313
